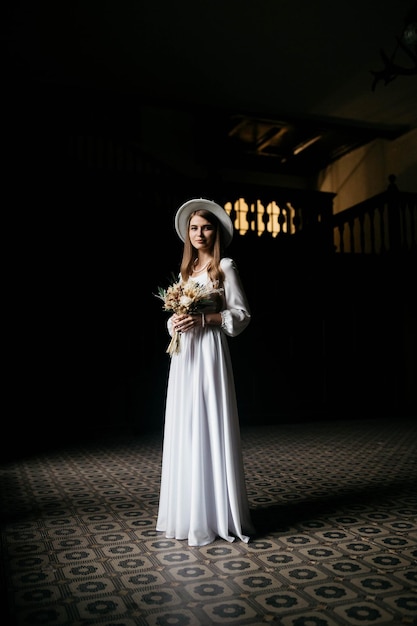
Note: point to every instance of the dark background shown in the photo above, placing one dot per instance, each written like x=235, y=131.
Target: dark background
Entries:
x=86, y=248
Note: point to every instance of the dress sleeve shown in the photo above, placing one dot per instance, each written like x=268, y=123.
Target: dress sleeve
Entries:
x=236, y=313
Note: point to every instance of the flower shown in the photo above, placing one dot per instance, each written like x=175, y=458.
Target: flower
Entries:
x=184, y=297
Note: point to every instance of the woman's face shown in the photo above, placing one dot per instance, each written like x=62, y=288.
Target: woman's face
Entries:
x=202, y=233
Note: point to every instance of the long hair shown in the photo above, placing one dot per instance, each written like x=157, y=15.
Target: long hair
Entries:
x=190, y=254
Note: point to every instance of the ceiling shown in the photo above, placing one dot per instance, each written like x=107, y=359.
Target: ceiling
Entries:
x=280, y=85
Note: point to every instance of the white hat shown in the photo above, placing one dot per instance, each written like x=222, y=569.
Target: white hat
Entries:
x=184, y=212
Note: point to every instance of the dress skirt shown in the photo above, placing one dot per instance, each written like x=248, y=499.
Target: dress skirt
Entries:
x=203, y=494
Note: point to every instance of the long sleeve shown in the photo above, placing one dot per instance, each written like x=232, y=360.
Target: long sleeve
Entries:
x=236, y=314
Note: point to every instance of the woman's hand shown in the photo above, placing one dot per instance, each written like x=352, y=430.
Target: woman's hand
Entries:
x=182, y=323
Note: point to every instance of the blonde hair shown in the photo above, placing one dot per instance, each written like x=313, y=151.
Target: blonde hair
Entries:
x=190, y=254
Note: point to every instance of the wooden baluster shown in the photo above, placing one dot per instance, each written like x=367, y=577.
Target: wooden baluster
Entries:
x=340, y=229
x=281, y=221
x=361, y=222
x=372, y=218
x=288, y=218
x=351, y=224
x=265, y=220
x=382, y=232
x=394, y=227
x=403, y=224
x=297, y=219
x=251, y=219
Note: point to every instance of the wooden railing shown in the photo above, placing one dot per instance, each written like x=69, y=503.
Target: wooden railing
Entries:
x=283, y=217
x=384, y=223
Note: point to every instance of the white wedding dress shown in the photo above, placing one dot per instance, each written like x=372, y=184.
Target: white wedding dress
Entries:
x=203, y=492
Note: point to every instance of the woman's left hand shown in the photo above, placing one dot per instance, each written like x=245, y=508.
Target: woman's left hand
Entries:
x=182, y=323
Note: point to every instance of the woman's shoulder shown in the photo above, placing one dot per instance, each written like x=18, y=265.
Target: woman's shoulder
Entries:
x=227, y=263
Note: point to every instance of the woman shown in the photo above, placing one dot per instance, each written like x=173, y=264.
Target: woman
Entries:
x=203, y=493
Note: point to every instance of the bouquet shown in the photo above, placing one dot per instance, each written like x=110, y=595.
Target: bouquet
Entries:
x=184, y=297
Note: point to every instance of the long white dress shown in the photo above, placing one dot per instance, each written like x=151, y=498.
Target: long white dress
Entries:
x=203, y=493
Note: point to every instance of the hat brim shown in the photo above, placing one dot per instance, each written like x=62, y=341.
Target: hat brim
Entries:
x=184, y=212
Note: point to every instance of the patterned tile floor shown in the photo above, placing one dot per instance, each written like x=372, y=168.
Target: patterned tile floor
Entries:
x=335, y=506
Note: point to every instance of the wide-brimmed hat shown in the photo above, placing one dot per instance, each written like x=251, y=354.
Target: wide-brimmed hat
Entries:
x=184, y=212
